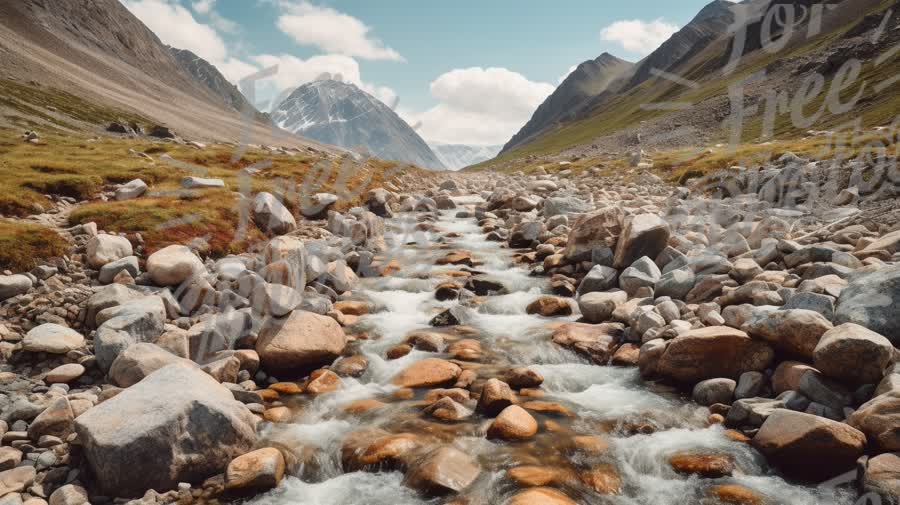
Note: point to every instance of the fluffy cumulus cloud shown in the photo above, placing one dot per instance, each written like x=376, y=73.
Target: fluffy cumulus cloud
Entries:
x=176, y=26
x=479, y=105
x=332, y=31
x=203, y=6
x=637, y=36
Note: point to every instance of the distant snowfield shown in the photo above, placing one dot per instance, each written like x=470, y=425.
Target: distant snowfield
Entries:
x=458, y=156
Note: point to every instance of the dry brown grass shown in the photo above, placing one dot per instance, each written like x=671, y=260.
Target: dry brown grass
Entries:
x=24, y=246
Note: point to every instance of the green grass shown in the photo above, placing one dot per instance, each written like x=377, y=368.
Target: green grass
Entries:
x=25, y=246
x=73, y=165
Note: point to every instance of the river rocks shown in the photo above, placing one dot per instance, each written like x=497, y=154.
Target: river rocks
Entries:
x=882, y=476
x=710, y=466
x=878, y=419
x=808, y=446
x=513, y=423
x=109, y=271
x=173, y=265
x=446, y=409
x=592, y=231
x=176, y=425
x=712, y=391
x=443, y=471
x=675, y=284
x=735, y=494
x=853, y=354
x=429, y=372
x=14, y=285
x=565, y=205
x=300, y=342
x=596, y=341
x=549, y=306
x=522, y=377
x=102, y=249
x=870, y=300
x=255, y=471
x=716, y=351
x=139, y=361
x=375, y=449
x=598, y=307
x=643, y=235
x=795, y=331
x=600, y=278
x=17, y=479
x=642, y=273
x=271, y=215
x=526, y=234
x=540, y=496
x=64, y=373
x=496, y=395
x=52, y=338
x=56, y=420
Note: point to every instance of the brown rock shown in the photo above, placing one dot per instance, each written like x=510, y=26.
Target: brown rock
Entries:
x=879, y=419
x=513, y=423
x=787, y=376
x=593, y=231
x=591, y=444
x=794, y=331
x=734, y=494
x=255, y=471
x=603, y=479
x=715, y=351
x=809, y=446
x=352, y=366
x=446, y=409
x=626, y=355
x=522, y=377
x=370, y=448
x=398, y=351
x=596, y=341
x=56, y=420
x=643, y=235
x=534, y=476
x=277, y=415
x=322, y=381
x=883, y=476
x=363, y=406
x=458, y=395
x=428, y=341
x=496, y=395
x=541, y=496
x=548, y=408
x=430, y=372
x=550, y=306
x=466, y=349
x=711, y=466
x=352, y=307
x=456, y=258
x=443, y=471
x=300, y=342
x=286, y=388
x=853, y=354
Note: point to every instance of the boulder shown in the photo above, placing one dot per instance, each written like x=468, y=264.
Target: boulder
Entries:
x=140, y=320
x=140, y=360
x=882, y=476
x=643, y=235
x=808, y=446
x=109, y=271
x=176, y=425
x=870, y=300
x=292, y=252
x=596, y=341
x=712, y=352
x=429, y=372
x=795, y=331
x=550, y=306
x=853, y=354
x=14, y=285
x=712, y=391
x=598, y=307
x=565, y=205
x=675, y=284
x=443, y=471
x=592, y=231
x=56, y=420
x=173, y=265
x=299, y=343
x=600, y=278
x=271, y=215
x=878, y=419
x=496, y=396
x=131, y=190
x=201, y=183
x=52, y=338
x=102, y=249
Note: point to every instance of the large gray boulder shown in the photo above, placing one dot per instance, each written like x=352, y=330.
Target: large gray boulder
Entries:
x=14, y=285
x=853, y=354
x=565, y=205
x=643, y=235
x=52, y=338
x=173, y=265
x=140, y=320
x=102, y=249
x=140, y=360
x=871, y=300
x=598, y=229
x=176, y=425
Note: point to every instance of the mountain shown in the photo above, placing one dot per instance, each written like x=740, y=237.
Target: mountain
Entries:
x=457, y=156
x=341, y=114
x=589, y=79
x=210, y=76
x=681, y=95
x=80, y=64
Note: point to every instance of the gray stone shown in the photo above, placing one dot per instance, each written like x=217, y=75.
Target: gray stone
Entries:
x=139, y=361
x=599, y=278
x=712, y=391
x=103, y=249
x=131, y=190
x=853, y=354
x=52, y=338
x=641, y=273
x=176, y=425
x=811, y=301
x=201, y=183
x=751, y=385
x=871, y=300
x=676, y=284
x=271, y=215
x=564, y=205
x=643, y=235
x=173, y=265
x=109, y=271
x=597, y=307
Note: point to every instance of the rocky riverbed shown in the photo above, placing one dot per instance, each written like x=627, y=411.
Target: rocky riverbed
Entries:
x=523, y=339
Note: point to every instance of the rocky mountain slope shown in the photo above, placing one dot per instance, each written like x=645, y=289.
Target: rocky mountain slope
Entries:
x=457, y=156
x=689, y=104
x=95, y=62
x=341, y=114
x=209, y=75
x=589, y=79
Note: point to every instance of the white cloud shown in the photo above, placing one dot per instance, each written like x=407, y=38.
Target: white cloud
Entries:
x=479, y=106
x=223, y=24
x=175, y=26
x=637, y=36
x=203, y=6
x=332, y=31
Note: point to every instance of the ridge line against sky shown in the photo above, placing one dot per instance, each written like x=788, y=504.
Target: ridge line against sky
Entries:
x=470, y=73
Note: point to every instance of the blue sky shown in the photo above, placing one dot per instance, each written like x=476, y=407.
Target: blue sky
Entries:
x=470, y=71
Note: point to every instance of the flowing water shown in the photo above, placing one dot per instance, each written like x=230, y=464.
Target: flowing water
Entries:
x=644, y=424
